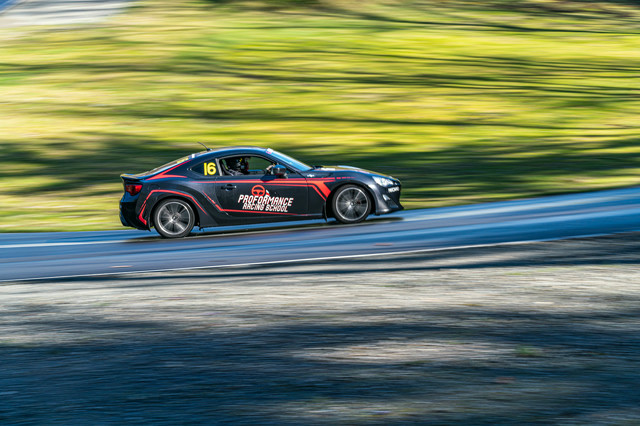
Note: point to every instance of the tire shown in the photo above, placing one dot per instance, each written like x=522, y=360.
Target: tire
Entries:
x=351, y=204
x=173, y=218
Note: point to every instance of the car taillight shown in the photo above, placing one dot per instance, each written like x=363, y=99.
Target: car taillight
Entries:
x=133, y=188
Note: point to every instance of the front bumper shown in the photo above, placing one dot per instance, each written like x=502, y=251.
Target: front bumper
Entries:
x=388, y=200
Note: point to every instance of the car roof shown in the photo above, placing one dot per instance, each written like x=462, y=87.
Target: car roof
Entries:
x=231, y=150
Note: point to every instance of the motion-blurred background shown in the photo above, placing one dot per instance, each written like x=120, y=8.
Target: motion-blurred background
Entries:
x=464, y=101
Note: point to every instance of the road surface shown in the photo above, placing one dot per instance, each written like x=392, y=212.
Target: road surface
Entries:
x=69, y=254
x=14, y=13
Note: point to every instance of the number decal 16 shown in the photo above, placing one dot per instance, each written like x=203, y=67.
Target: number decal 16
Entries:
x=210, y=169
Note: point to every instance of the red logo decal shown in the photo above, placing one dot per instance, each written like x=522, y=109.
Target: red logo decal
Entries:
x=258, y=191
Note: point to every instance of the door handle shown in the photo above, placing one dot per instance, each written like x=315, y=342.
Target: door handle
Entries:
x=228, y=187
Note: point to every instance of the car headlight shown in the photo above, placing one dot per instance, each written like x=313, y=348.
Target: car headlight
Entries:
x=383, y=181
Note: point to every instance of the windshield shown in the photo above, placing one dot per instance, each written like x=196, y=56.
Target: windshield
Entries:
x=288, y=161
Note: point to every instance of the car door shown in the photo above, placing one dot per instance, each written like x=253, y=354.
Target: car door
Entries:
x=260, y=196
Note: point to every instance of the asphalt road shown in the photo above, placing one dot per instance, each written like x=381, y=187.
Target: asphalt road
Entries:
x=68, y=254
x=5, y=4
x=14, y=13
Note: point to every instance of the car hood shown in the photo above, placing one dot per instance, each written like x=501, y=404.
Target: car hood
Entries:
x=344, y=169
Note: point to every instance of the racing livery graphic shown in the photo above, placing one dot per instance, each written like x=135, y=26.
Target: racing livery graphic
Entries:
x=239, y=185
x=261, y=200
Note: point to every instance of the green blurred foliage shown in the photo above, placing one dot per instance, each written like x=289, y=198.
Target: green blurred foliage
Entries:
x=465, y=101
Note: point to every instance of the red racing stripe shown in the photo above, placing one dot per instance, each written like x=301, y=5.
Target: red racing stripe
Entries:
x=261, y=212
x=165, y=175
x=144, y=204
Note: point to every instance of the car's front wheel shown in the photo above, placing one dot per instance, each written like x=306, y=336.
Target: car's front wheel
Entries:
x=351, y=204
x=174, y=218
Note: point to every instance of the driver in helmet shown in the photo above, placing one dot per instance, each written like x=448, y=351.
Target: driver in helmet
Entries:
x=237, y=166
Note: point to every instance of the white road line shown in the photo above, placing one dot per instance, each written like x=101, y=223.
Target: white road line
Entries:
x=78, y=243
x=439, y=230
x=532, y=207
x=311, y=259
x=223, y=233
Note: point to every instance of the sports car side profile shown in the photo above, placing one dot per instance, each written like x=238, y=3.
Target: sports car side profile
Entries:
x=240, y=185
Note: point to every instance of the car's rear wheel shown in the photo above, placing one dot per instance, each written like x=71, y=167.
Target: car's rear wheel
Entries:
x=174, y=218
x=351, y=204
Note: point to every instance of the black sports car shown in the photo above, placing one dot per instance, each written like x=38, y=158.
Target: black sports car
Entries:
x=239, y=185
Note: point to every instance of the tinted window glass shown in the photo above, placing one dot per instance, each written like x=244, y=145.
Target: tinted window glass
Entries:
x=174, y=163
x=285, y=160
x=258, y=165
x=208, y=168
x=244, y=165
x=168, y=165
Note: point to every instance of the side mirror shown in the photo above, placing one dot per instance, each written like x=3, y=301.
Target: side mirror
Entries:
x=279, y=171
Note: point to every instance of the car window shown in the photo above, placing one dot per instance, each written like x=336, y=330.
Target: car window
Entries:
x=207, y=168
x=174, y=163
x=258, y=165
x=285, y=160
x=168, y=165
x=244, y=165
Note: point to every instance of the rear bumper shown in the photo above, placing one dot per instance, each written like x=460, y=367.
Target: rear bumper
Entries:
x=128, y=216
